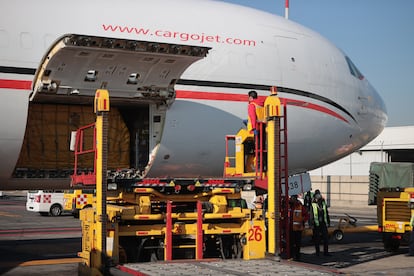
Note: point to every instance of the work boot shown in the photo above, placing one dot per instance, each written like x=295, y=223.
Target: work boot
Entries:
x=317, y=250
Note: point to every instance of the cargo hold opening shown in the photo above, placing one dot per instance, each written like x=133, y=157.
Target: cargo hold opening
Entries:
x=46, y=147
x=140, y=77
x=137, y=122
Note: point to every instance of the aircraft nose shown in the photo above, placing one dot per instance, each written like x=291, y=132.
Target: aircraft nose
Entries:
x=373, y=109
x=379, y=106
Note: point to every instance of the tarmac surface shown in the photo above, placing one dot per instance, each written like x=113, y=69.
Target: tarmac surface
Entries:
x=394, y=265
x=232, y=267
x=363, y=256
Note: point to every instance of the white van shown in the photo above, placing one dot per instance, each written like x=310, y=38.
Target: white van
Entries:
x=45, y=202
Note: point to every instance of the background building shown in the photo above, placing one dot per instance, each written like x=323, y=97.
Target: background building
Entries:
x=346, y=181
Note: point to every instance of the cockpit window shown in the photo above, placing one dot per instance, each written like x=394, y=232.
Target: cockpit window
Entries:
x=353, y=69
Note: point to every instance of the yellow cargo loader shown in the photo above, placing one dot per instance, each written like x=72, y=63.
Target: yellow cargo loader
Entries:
x=144, y=219
x=148, y=224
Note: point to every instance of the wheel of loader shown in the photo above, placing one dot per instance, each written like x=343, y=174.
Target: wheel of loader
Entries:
x=129, y=247
x=338, y=235
x=150, y=250
x=230, y=247
x=237, y=249
x=122, y=255
x=157, y=254
x=391, y=245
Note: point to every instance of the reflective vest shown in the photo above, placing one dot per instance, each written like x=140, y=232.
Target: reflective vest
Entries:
x=260, y=117
x=412, y=221
x=315, y=209
x=260, y=112
x=298, y=218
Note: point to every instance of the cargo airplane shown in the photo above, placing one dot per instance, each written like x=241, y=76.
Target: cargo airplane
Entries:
x=178, y=73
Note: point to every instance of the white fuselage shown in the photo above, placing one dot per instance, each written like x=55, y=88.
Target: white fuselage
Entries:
x=330, y=112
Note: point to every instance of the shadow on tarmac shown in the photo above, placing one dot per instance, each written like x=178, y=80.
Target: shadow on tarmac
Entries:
x=30, y=253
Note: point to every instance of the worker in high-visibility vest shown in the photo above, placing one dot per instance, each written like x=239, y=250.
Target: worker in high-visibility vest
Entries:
x=299, y=215
x=307, y=201
x=319, y=220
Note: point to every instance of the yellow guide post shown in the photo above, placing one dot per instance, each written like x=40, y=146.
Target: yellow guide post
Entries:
x=101, y=109
x=273, y=113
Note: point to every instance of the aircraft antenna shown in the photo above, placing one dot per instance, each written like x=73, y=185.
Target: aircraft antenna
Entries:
x=287, y=9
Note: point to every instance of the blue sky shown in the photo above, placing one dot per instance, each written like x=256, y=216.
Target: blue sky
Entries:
x=378, y=35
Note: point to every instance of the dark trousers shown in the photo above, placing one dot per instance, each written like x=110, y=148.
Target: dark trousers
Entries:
x=411, y=249
x=321, y=232
x=296, y=242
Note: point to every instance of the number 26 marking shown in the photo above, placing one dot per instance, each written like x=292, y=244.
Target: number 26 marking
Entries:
x=255, y=233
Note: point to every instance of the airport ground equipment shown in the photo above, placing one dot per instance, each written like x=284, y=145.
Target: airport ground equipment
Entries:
x=45, y=202
x=391, y=188
x=144, y=219
x=337, y=232
x=346, y=224
x=394, y=215
x=75, y=200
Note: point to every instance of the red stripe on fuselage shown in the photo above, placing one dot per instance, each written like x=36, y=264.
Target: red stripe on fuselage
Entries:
x=314, y=107
x=214, y=96
x=16, y=84
x=195, y=95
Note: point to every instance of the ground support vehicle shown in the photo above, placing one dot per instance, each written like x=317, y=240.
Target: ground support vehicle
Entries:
x=392, y=190
x=178, y=219
x=77, y=199
x=167, y=219
x=45, y=202
x=143, y=219
x=394, y=214
x=346, y=224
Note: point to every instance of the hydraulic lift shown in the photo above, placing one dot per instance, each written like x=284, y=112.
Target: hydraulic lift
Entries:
x=193, y=218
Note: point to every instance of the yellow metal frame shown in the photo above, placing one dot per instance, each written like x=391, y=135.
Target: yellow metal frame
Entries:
x=272, y=110
x=97, y=256
x=100, y=225
x=249, y=226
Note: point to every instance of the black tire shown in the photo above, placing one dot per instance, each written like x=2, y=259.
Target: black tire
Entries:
x=56, y=210
x=338, y=235
x=76, y=214
x=391, y=245
x=123, y=258
x=395, y=246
